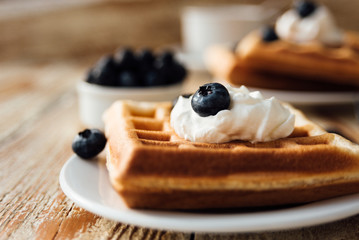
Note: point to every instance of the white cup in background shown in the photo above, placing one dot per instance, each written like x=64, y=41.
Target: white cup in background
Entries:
x=203, y=26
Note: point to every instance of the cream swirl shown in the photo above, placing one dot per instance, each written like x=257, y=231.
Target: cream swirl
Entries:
x=250, y=117
x=319, y=26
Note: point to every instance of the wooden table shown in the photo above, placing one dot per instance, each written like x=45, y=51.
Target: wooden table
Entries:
x=39, y=118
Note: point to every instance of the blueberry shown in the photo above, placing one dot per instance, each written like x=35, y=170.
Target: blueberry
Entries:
x=90, y=77
x=125, y=59
x=166, y=58
x=104, y=72
x=269, y=34
x=169, y=69
x=179, y=73
x=128, y=79
x=210, y=98
x=165, y=73
x=152, y=77
x=305, y=8
x=146, y=58
x=88, y=143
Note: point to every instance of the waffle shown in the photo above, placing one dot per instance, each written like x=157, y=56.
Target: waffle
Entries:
x=152, y=168
x=283, y=65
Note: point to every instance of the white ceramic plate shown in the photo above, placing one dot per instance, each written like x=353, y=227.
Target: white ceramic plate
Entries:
x=86, y=183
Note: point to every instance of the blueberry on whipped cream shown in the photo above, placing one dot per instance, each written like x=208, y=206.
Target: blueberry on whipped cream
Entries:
x=209, y=99
x=269, y=34
x=305, y=8
x=249, y=117
x=307, y=22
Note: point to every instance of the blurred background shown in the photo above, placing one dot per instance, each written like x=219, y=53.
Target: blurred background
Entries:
x=83, y=30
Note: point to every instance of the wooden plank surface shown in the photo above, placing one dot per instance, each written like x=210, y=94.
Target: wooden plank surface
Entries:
x=38, y=106
x=33, y=150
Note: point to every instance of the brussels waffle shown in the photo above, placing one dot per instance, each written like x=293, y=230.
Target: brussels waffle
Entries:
x=283, y=65
x=151, y=167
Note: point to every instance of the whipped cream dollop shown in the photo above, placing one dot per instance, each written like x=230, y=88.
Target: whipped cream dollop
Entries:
x=250, y=117
x=319, y=26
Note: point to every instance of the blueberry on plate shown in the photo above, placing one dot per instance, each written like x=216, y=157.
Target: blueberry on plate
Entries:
x=210, y=98
x=104, y=72
x=305, y=8
x=88, y=143
x=269, y=34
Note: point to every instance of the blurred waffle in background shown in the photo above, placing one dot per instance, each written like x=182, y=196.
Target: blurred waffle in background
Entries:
x=307, y=55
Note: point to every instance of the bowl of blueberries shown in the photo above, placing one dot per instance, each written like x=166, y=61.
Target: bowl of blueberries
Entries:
x=129, y=75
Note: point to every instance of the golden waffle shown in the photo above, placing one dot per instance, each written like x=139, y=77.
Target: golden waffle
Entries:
x=151, y=167
x=282, y=65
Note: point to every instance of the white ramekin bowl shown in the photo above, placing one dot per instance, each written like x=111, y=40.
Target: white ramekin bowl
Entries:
x=95, y=99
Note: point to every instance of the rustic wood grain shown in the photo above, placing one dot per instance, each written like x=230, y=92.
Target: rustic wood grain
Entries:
x=32, y=154
x=333, y=231
x=36, y=87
